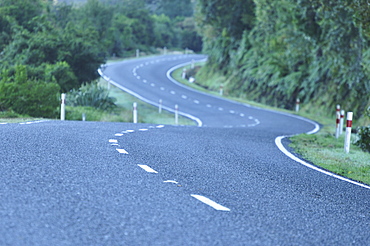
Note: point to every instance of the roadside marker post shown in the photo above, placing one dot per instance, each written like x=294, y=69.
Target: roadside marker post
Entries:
x=183, y=75
x=160, y=106
x=337, y=121
x=347, y=140
x=135, y=112
x=297, y=102
x=221, y=90
x=341, y=122
x=137, y=53
x=63, y=107
x=83, y=117
x=176, y=114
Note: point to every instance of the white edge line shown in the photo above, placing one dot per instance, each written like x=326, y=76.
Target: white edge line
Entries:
x=197, y=120
x=293, y=157
x=147, y=168
x=211, y=203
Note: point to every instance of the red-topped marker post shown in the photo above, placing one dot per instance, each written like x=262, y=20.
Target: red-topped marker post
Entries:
x=347, y=140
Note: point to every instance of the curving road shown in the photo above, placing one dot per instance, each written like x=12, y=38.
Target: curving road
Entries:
x=225, y=183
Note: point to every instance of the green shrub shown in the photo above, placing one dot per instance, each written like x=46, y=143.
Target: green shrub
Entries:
x=27, y=96
x=364, y=135
x=91, y=95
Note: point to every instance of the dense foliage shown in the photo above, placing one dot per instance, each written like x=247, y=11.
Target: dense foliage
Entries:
x=363, y=134
x=277, y=51
x=91, y=95
x=61, y=46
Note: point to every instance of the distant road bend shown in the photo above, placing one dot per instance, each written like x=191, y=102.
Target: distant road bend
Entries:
x=225, y=183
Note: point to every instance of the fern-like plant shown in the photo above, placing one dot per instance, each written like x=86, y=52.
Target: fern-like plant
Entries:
x=91, y=95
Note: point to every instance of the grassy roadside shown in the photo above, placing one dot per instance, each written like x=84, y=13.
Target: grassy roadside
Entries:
x=322, y=149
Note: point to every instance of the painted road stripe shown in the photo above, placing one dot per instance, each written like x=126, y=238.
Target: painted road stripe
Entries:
x=209, y=105
x=118, y=134
x=143, y=130
x=173, y=93
x=184, y=97
x=160, y=126
x=211, y=203
x=113, y=141
x=147, y=168
x=122, y=151
x=196, y=102
x=171, y=181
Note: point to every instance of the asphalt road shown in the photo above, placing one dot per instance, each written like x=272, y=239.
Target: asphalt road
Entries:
x=225, y=183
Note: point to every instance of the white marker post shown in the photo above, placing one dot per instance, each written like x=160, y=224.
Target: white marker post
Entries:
x=176, y=114
x=183, y=75
x=164, y=50
x=192, y=64
x=83, y=117
x=221, y=89
x=137, y=53
x=347, y=138
x=337, y=121
x=160, y=106
x=341, y=122
x=135, y=112
x=63, y=107
x=297, y=102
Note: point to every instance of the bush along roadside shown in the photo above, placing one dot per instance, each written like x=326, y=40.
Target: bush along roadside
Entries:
x=363, y=134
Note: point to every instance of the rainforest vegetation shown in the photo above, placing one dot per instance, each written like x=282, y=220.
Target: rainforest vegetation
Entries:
x=48, y=47
x=276, y=51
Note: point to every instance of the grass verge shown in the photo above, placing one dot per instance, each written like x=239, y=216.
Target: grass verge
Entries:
x=322, y=149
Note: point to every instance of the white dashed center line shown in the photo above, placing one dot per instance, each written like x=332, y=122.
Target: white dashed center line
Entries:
x=147, y=168
x=122, y=151
x=196, y=102
x=211, y=203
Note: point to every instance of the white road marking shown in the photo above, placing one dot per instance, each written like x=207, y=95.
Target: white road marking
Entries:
x=173, y=93
x=232, y=112
x=130, y=131
x=211, y=203
x=118, y=134
x=122, y=151
x=147, y=168
x=152, y=84
x=209, y=106
x=3, y=123
x=242, y=115
x=144, y=80
x=113, y=141
x=171, y=181
x=138, y=77
x=160, y=126
x=162, y=88
x=293, y=157
x=196, y=102
x=143, y=130
x=184, y=97
x=221, y=109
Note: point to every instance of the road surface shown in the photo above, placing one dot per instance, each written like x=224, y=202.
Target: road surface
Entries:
x=225, y=183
